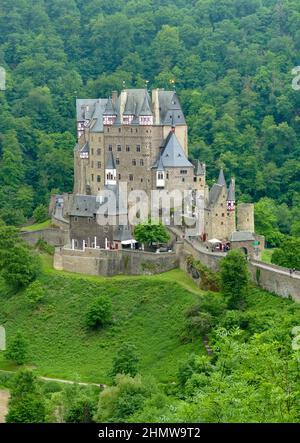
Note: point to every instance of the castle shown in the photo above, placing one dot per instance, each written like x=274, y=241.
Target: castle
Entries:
x=142, y=139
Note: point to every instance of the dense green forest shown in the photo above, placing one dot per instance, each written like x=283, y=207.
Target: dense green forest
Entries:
x=231, y=61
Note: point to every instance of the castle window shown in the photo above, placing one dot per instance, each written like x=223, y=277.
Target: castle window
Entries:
x=223, y=215
x=131, y=177
x=136, y=130
x=98, y=165
x=98, y=178
x=119, y=148
x=216, y=215
x=160, y=175
x=92, y=177
x=75, y=219
x=167, y=175
x=195, y=179
x=183, y=171
x=127, y=148
x=138, y=148
x=119, y=176
x=117, y=161
x=89, y=219
x=141, y=162
x=142, y=180
x=134, y=162
x=110, y=147
x=222, y=223
x=183, y=179
x=119, y=129
x=98, y=151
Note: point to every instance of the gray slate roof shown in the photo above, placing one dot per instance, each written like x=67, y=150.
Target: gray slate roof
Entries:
x=110, y=162
x=231, y=192
x=122, y=233
x=241, y=236
x=172, y=155
x=84, y=205
x=170, y=109
x=97, y=120
x=221, y=179
x=109, y=108
x=200, y=168
x=214, y=193
x=85, y=108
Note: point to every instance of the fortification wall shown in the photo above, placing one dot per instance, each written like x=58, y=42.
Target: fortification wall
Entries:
x=113, y=262
x=53, y=236
x=276, y=279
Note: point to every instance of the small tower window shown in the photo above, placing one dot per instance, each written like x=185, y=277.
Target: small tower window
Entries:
x=138, y=148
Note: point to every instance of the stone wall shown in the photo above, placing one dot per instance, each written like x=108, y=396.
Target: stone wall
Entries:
x=113, y=262
x=53, y=236
x=276, y=279
x=211, y=260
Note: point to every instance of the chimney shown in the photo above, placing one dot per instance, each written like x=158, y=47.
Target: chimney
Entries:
x=155, y=106
x=114, y=96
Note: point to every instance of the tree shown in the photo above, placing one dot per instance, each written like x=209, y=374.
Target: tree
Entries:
x=125, y=361
x=150, y=232
x=40, y=213
x=17, y=349
x=26, y=404
x=234, y=278
x=99, y=313
x=19, y=265
x=288, y=255
x=119, y=402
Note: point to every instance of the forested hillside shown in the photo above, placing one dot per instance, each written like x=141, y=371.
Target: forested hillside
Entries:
x=231, y=61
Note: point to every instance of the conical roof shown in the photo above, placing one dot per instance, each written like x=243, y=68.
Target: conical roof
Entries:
x=110, y=164
x=160, y=166
x=231, y=192
x=145, y=109
x=200, y=168
x=109, y=108
x=221, y=180
x=173, y=155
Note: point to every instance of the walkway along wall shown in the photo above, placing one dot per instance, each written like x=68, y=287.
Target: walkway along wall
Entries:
x=274, y=279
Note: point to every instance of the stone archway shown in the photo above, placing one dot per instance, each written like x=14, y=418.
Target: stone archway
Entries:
x=244, y=250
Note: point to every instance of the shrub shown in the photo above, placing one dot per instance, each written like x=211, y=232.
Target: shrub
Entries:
x=99, y=313
x=34, y=293
x=17, y=349
x=40, y=213
x=126, y=361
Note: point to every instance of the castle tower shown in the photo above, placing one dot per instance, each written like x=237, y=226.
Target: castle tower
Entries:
x=110, y=170
x=200, y=177
x=231, y=224
x=160, y=174
x=245, y=217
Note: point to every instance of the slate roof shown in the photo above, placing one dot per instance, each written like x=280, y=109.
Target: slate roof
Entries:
x=172, y=155
x=110, y=162
x=170, y=109
x=97, y=119
x=214, y=193
x=84, y=205
x=241, y=236
x=221, y=180
x=122, y=233
x=136, y=99
x=146, y=109
x=109, y=108
x=85, y=108
x=231, y=192
x=200, y=168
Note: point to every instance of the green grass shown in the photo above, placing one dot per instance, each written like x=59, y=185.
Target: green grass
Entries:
x=148, y=311
x=267, y=255
x=37, y=226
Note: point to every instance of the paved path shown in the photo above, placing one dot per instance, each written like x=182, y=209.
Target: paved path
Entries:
x=4, y=397
x=61, y=380
x=282, y=271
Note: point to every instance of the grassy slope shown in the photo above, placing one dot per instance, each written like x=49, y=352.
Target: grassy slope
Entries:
x=149, y=311
x=37, y=226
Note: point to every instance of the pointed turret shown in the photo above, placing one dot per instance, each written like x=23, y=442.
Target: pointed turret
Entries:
x=110, y=170
x=201, y=168
x=221, y=180
x=231, y=196
x=109, y=114
x=145, y=114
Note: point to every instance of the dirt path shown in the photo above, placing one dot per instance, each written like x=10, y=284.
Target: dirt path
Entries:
x=4, y=397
